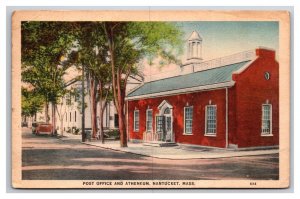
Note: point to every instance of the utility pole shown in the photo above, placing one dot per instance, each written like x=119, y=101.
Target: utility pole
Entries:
x=83, y=136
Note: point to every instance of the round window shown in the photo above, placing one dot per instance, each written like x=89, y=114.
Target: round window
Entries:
x=267, y=75
x=167, y=111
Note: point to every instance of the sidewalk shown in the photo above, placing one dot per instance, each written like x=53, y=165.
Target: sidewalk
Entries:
x=68, y=136
x=180, y=152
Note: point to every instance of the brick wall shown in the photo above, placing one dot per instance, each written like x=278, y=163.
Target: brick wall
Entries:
x=252, y=90
x=198, y=100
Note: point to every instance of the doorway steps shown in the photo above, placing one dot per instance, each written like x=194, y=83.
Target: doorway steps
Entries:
x=160, y=144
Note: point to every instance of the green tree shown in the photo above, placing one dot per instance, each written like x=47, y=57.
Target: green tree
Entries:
x=31, y=103
x=44, y=44
x=91, y=55
x=128, y=44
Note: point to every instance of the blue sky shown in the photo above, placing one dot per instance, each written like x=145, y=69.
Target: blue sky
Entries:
x=221, y=38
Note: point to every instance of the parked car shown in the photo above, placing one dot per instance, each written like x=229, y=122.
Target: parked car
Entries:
x=44, y=128
x=34, y=125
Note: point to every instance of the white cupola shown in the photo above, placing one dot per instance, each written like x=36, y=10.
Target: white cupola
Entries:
x=194, y=48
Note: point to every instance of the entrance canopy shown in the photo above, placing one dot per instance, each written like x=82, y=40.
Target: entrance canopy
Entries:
x=164, y=106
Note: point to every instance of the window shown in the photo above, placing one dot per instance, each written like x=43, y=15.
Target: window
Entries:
x=68, y=100
x=159, y=123
x=211, y=120
x=149, y=120
x=116, y=121
x=75, y=116
x=76, y=95
x=167, y=111
x=136, y=120
x=70, y=117
x=66, y=117
x=266, y=128
x=188, y=120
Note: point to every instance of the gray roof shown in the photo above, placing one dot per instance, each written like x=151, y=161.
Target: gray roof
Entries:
x=201, y=78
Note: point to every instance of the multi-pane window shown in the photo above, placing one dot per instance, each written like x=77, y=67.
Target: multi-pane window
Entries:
x=188, y=120
x=266, y=128
x=136, y=120
x=68, y=100
x=159, y=123
x=211, y=120
x=149, y=120
x=168, y=124
x=167, y=111
x=76, y=96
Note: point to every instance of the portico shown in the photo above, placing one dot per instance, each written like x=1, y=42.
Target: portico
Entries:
x=163, y=131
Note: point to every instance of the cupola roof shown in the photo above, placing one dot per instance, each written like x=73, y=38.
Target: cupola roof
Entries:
x=195, y=36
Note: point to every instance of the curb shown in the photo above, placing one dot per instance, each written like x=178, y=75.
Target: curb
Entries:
x=146, y=155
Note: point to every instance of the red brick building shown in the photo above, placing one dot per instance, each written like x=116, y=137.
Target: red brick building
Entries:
x=227, y=102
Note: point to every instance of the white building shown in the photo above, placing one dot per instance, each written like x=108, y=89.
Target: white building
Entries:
x=70, y=109
x=68, y=113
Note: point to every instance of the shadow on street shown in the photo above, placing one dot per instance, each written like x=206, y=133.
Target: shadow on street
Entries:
x=49, y=158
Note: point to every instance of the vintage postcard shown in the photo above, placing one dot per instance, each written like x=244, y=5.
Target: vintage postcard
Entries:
x=150, y=99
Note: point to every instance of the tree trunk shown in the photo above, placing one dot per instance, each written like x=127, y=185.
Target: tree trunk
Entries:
x=53, y=119
x=46, y=112
x=29, y=121
x=101, y=132
x=103, y=104
x=122, y=128
x=121, y=111
x=93, y=107
x=101, y=113
x=62, y=126
x=116, y=88
x=123, y=133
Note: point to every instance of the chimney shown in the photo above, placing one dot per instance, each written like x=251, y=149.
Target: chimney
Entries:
x=265, y=52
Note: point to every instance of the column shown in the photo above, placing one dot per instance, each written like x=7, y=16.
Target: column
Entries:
x=191, y=50
x=199, y=49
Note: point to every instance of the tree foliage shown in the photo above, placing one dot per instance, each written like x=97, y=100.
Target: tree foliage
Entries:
x=43, y=46
x=32, y=102
x=110, y=52
x=130, y=43
x=91, y=55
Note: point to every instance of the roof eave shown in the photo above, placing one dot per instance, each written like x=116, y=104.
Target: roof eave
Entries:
x=242, y=69
x=183, y=91
x=134, y=89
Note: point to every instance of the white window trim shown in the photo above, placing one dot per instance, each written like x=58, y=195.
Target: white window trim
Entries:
x=210, y=134
x=184, y=132
x=149, y=130
x=134, y=121
x=271, y=121
x=155, y=122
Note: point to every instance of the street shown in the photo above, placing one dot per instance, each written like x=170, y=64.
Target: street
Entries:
x=50, y=158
